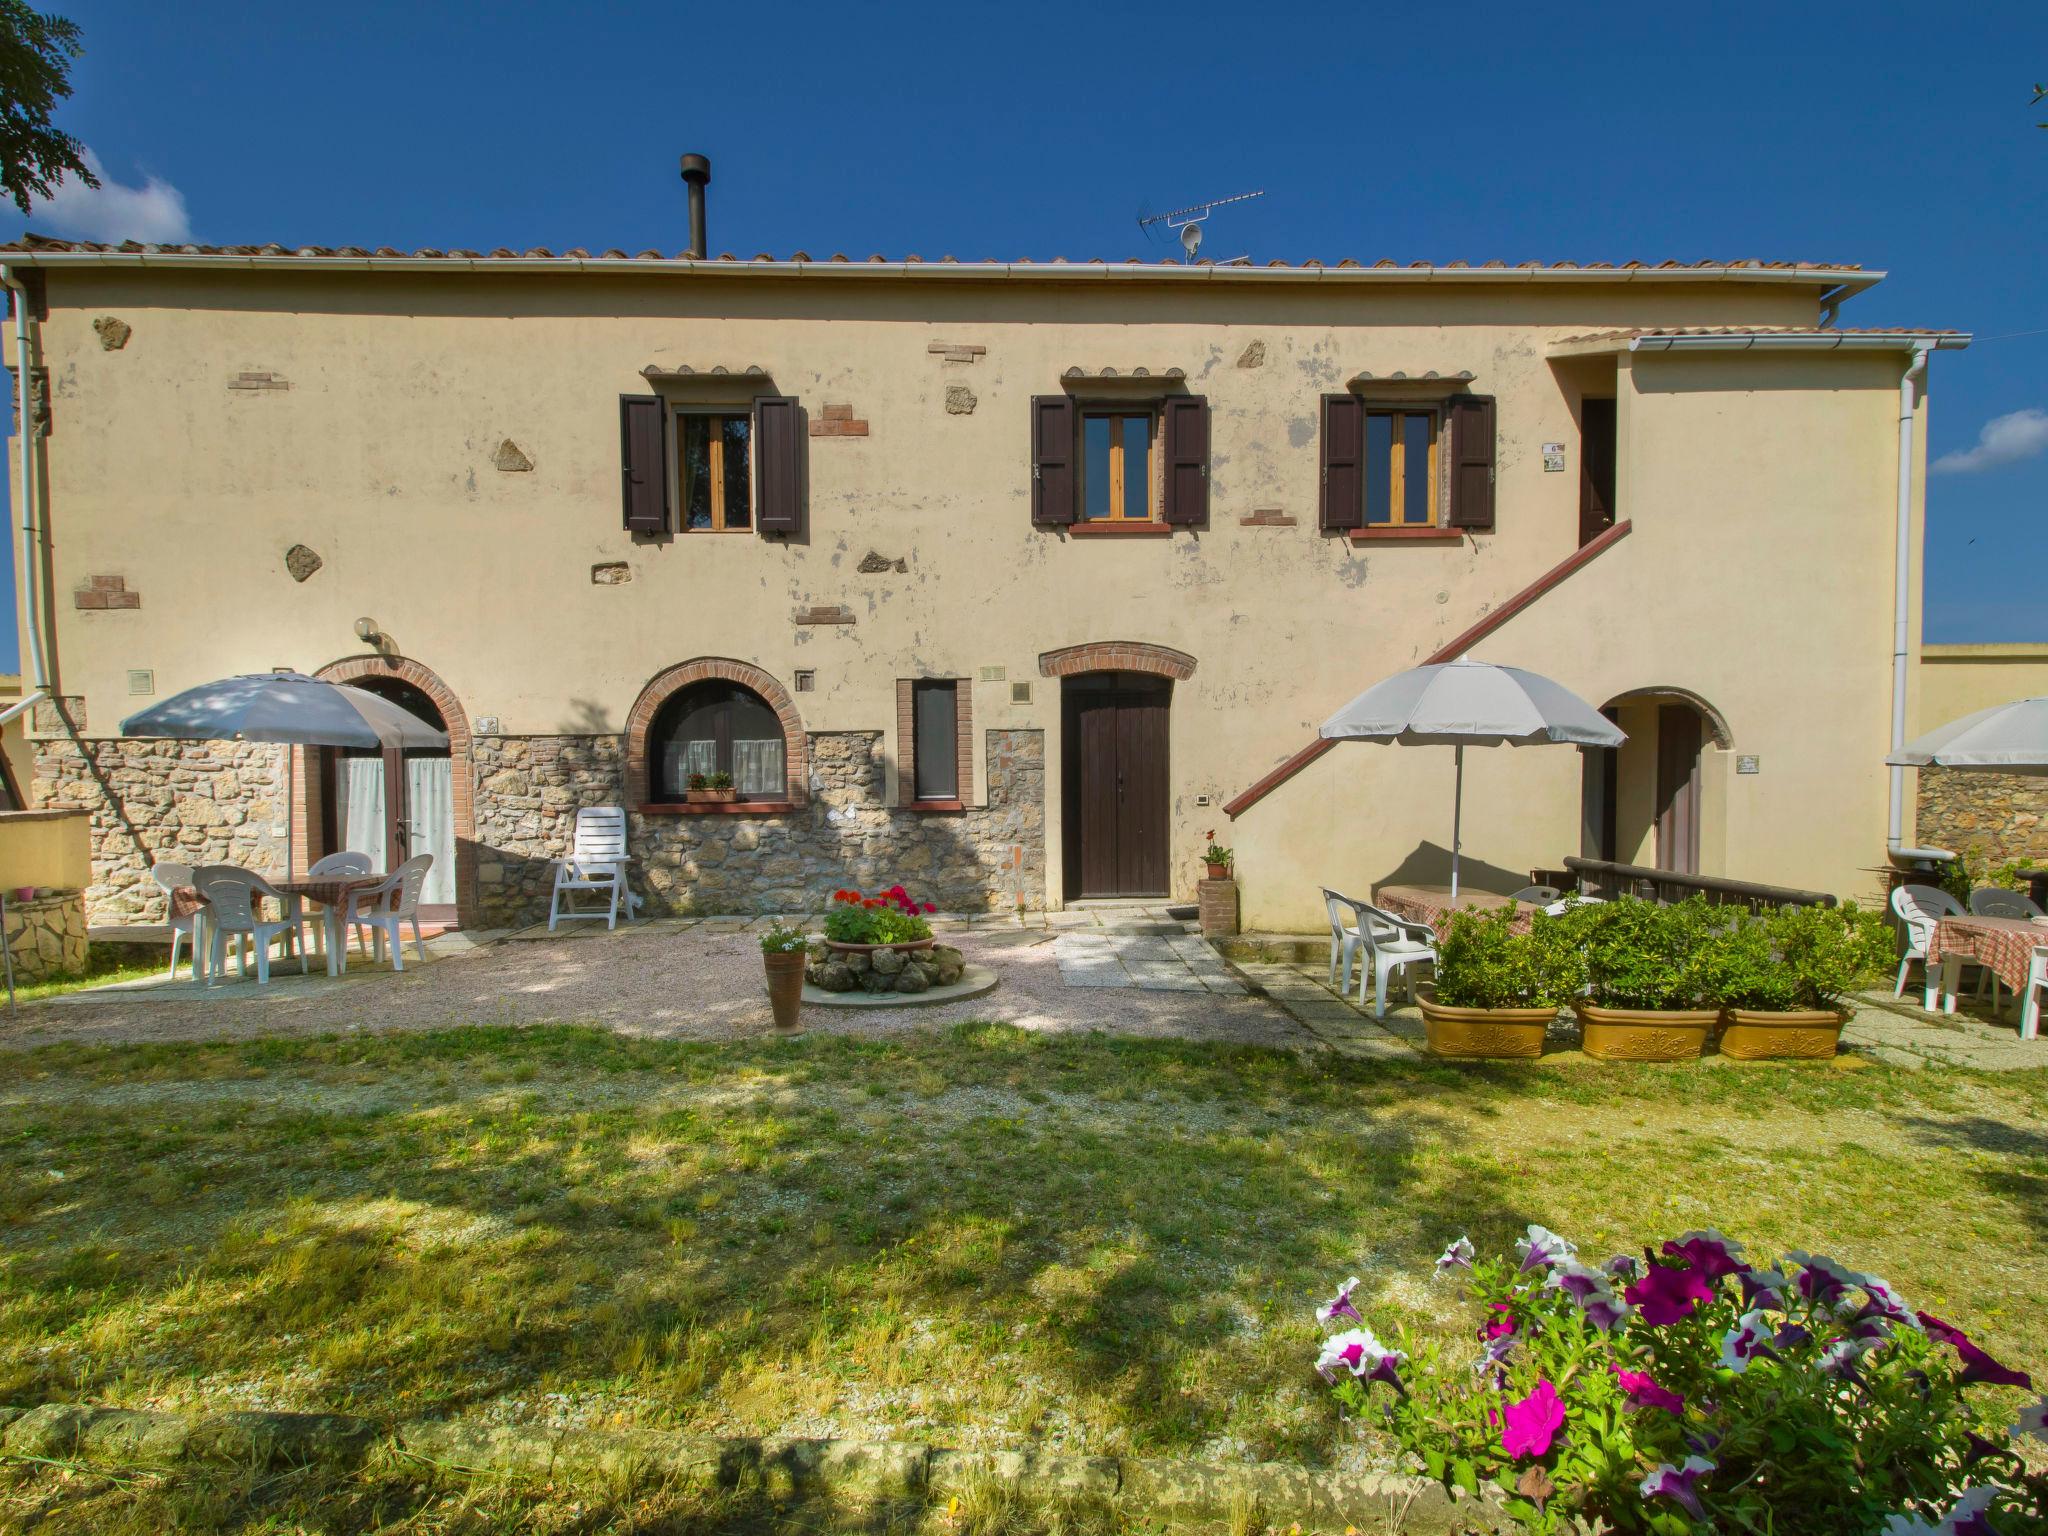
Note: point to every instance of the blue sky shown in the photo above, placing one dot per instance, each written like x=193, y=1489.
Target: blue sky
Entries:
x=1896, y=135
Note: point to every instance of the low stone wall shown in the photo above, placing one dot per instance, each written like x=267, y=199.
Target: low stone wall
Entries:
x=45, y=936
x=198, y=802
x=2003, y=814
x=529, y=789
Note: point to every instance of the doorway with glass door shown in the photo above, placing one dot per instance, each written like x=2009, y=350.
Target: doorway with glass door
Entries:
x=392, y=805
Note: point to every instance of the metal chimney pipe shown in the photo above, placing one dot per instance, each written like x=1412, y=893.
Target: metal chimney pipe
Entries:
x=697, y=172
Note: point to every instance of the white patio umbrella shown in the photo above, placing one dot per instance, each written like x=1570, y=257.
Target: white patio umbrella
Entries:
x=2006, y=738
x=288, y=708
x=1470, y=703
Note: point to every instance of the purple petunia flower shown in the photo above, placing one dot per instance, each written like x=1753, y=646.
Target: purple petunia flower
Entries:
x=1750, y=1339
x=1977, y=1365
x=1675, y=1483
x=1502, y=1324
x=1880, y=1300
x=1822, y=1279
x=1966, y=1517
x=1763, y=1288
x=1495, y=1352
x=1624, y=1266
x=1457, y=1256
x=1668, y=1292
x=1358, y=1352
x=1843, y=1357
x=1542, y=1248
x=1708, y=1252
x=1531, y=1423
x=1790, y=1336
x=1606, y=1312
x=2033, y=1421
x=1641, y=1390
x=1340, y=1306
x=1591, y=1289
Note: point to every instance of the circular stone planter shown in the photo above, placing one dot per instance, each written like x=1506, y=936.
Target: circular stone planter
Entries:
x=975, y=980
x=1749, y=1034
x=1644, y=1034
x=1484, y=1032
x=908, y=946
x=909, y=969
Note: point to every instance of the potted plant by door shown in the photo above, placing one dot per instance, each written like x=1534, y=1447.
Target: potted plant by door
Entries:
x=1497, y=991
x=1649, y=995
x=784, y=949
x=1216, y=859
x=1781, y=978
x=710, y=789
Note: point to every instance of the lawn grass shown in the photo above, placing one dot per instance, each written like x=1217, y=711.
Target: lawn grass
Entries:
x=977, y=1238
x=105, y=965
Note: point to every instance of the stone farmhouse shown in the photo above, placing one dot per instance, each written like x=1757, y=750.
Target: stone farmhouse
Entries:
x=1010, y=580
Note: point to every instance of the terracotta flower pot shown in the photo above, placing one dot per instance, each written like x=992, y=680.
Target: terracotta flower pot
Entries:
x=1644, y=1034
x=710, y=796
x=1753, y=1034
x=1474, y=1032
x=1218, y=871
x=785, y=988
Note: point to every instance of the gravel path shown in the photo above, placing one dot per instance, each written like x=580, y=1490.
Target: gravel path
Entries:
x=689, y=985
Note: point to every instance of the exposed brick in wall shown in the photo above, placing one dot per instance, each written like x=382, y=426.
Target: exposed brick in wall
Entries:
x=1117, y=656
x=192, y=802
x=704, y=669
x=2003, y=814
x=529, y=789
x=103, y=592
x=838, y=421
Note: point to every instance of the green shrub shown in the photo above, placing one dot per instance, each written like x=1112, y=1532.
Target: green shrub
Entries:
x=890, y=917
x=1641, y=955
x=1481, y=962
x=1797, y=957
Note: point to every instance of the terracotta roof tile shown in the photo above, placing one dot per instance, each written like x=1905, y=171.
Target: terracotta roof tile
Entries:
x=1752, y=330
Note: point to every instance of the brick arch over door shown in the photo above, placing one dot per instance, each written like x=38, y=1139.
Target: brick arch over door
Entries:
x=461, y=774
x=796, y=755
x=1117, y=656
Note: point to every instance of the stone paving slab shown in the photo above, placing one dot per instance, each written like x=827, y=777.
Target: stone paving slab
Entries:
x=1144, y=956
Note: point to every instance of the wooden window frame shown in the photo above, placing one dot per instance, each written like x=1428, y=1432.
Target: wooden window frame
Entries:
x=681, y=416
x=722, y=743
x=1155, y=512
x=906, y=745
x=1397, y=467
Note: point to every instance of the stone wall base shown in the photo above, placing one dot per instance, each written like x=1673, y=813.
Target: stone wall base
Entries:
x=1262, y=1494
x=2003, y=816
x=45, y=936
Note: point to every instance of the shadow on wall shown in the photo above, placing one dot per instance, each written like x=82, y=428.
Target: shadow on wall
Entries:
x=1430, y=864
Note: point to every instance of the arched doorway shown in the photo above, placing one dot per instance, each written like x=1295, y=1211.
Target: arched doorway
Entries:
x=1644, y=802
x=392, y=805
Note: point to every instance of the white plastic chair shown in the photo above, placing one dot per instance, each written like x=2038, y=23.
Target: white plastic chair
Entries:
x=1538, y=895
x=1346, y=917
x=2030, y=999
x=1919, y=908
x=185, y=929
x=346, y=863
x=1997, y=901
x=597, y=862
x=386, y=906
x=231, y=909
x=1392, y=945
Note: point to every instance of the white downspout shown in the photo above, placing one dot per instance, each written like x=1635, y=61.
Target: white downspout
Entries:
x=27, y=563
x=1902, y=599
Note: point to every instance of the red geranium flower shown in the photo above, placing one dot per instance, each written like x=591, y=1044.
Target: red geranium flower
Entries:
x=930, y=907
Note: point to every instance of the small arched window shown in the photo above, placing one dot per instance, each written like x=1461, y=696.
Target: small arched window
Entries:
x=717, y=727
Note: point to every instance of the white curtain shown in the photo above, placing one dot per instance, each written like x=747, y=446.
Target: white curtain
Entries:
x=757, y=767
x=430, y=803
x=360, y=792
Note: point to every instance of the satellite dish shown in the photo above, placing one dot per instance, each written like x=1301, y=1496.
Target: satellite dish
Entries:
x=1191, y=239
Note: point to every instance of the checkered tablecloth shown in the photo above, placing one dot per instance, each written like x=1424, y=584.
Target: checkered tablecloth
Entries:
x=2004, y=944
x=327, y=891
x=1433, y=905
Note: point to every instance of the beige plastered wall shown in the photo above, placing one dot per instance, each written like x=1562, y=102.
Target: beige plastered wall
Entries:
x=1958, y=680
x=1758, y=575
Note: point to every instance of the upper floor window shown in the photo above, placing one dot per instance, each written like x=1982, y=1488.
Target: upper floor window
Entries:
x=1400, y=468
x=712, y=453
x=1116, y=466
x=717, y=727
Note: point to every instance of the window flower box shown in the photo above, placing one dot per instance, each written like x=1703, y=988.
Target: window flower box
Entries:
x=710, y=796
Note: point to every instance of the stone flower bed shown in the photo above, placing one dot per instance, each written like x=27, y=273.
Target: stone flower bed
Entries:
x=884, y=969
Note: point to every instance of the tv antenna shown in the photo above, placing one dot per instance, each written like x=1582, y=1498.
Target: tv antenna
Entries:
x=1189, y=220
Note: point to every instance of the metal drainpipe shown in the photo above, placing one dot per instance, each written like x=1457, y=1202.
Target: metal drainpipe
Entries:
x=1902, y=595
x=25, y=558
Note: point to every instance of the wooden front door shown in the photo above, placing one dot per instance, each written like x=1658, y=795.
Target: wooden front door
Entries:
x=1115, y=777
x=1678, y=788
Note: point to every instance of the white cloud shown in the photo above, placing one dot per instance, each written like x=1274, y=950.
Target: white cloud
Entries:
x=2004, y=440
x=153, y=212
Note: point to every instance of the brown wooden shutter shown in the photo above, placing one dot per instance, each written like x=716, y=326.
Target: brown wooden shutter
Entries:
x=1184, y=432
x=643, y=462
x=1472, y=460
x=778, y=464
x=1342, y=502
x=1053, y=484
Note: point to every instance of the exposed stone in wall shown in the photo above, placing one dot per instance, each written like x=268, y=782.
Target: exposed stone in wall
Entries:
x=1253, y=356
x=302, y=562
x=960, y=400
x=874, y=562
x=2003, y=814
x=46, y=936
x=113, y=332
x=529, y=789
x=196, y=802
x=511, y=458
x=610, y=573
